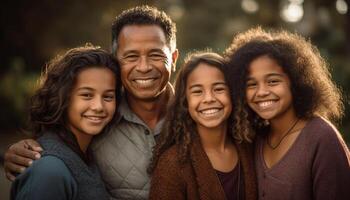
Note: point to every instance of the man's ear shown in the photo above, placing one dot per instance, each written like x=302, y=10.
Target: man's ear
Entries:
x=174, y=57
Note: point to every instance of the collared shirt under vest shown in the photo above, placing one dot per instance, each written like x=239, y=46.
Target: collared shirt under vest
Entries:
x=123, y=155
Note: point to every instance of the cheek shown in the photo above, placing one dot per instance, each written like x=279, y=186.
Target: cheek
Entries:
x=111, y=108
x=285, y=90
x=124, y=72
x=165, y=72
x=74, y=105
x=190, y=104
x=248, y=95
x=229, y=105
x=248, y=99
x=74, y=111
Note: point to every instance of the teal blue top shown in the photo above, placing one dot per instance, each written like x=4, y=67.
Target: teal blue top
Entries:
x=46, y=178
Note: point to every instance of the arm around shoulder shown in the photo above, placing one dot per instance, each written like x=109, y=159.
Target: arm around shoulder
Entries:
x=167, y=181
x=47, y=178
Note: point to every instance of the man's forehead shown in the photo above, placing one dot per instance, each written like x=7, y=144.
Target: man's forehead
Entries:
x=132, y=31
x=142, y=39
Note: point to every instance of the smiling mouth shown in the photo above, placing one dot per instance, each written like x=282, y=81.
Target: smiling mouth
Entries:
x=95, y=119
x=210, y=112
x=145, y=82
x=266, y=104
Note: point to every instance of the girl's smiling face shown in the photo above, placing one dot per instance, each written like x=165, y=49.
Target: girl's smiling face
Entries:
x=92, y=102
x=268, y=89
x=208, y=97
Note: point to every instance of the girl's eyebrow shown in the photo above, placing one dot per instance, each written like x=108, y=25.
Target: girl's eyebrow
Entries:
x=220, y=83
x=199, y=85
x=92, y=89
x=85, y=88
x=275, y=74
x=194, y=85
x=267, y=75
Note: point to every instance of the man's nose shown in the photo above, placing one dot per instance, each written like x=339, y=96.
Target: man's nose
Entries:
x=143, y=65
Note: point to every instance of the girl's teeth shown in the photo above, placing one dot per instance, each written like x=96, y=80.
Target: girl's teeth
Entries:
x=265, y=104
x=210, y=111
x=95, y=118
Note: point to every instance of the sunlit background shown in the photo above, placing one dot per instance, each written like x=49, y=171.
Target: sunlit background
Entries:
x=32, y=32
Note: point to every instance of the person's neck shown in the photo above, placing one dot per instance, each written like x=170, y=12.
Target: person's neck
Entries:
x=214, y=139
x=149, y=111
x=281, y=124
x=83, y=141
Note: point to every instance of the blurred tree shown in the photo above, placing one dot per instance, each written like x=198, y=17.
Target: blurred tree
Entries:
x=34, y=31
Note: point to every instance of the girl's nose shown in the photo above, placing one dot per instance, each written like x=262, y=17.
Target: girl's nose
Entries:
x=262, y=91
x=209, y=97
x=97, y=104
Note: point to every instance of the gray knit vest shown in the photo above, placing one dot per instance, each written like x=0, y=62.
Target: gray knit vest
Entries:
x=90, y=185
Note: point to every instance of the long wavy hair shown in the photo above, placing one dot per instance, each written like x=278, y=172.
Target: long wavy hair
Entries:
x=313, y=91
x=180, y=128
x=48, y=106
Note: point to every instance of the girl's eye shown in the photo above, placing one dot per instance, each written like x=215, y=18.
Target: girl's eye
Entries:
x=86, y=95
x=220, y=89
x=251, y=84
x=196, y=92
x=109, y=98
x=273, y=82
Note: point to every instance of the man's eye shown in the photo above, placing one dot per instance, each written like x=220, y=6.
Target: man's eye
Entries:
x=130, y=58
x=156, y=57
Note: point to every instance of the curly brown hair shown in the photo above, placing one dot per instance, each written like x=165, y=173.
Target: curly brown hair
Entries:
x=312, y=88
x=180, y=128
x=48, y=106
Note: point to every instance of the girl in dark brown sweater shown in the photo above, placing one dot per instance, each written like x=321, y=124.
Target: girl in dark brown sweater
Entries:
x=197, y=155
x=283, y=91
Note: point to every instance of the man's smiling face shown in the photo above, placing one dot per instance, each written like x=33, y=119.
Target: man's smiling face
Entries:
x=145, y=59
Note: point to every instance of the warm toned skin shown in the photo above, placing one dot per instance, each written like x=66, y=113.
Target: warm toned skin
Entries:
x=92, y=104
x=268, y=94
x=209, y=105
x=146, y=65
x=146, y=62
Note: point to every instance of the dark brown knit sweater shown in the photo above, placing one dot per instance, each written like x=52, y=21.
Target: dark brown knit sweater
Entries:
x=197, y=179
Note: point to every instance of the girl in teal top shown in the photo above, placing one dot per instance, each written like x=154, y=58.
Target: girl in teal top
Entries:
x=76, y=100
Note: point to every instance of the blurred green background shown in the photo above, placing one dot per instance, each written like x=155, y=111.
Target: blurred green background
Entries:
x=32, y=32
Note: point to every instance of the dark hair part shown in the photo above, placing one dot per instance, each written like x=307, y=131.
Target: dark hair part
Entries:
x=180, y=128
x=312, y=88
x=48, y=106
x=144, y=15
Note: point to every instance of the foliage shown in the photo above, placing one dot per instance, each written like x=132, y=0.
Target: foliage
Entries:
x=34, y=31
